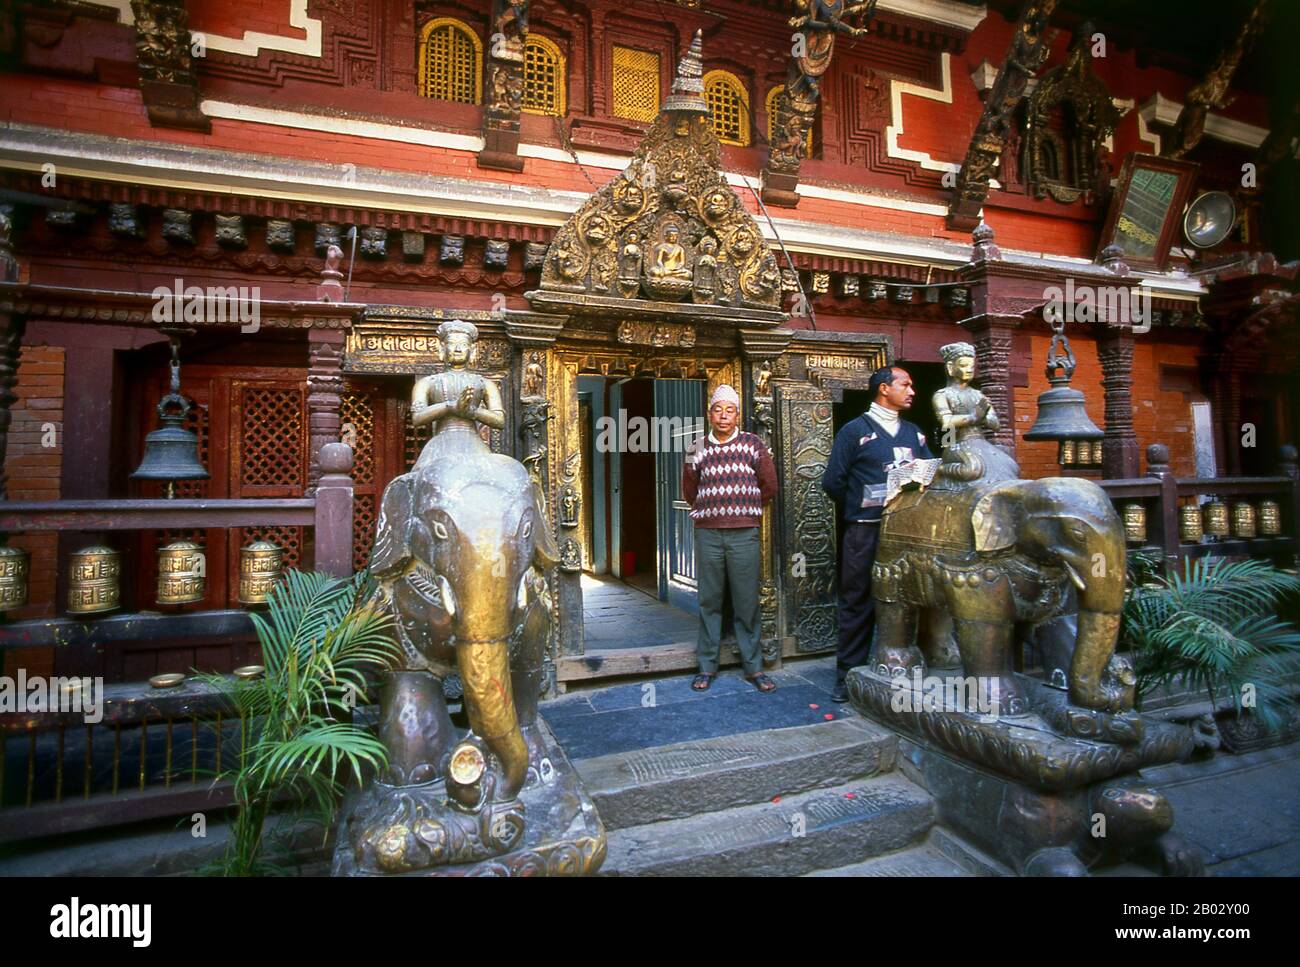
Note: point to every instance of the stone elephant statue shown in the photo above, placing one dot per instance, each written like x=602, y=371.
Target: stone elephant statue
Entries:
x=461, y=549
x=993, y=563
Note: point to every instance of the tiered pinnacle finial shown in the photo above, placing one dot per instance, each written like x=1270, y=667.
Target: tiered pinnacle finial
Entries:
x=687, y=94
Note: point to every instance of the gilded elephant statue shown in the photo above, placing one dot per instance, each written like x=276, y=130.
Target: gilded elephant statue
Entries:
x=460, y=553
x=995, y=562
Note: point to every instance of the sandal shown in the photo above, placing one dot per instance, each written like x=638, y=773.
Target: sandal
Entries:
x=762, y=682
x=703, y=680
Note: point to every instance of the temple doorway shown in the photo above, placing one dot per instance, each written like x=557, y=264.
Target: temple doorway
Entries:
x=639, y=579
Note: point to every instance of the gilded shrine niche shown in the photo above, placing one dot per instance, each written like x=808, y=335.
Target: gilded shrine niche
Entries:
x=668, y=236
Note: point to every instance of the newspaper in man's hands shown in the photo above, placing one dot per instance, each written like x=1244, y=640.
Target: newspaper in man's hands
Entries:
x=914, y=472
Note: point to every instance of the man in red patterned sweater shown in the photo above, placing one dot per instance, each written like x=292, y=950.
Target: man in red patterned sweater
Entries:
x=727, y=478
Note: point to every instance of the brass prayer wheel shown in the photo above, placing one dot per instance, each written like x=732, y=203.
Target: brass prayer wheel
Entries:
x=259, y=569
x=15, y=565
x=1068, y=453
x=1243, y=519
x=1214, y=517
x=1135, y=523
x=95, y=582
x=181, y=573
x=1083, y=452
x=1270, y=518
x=1189, y=524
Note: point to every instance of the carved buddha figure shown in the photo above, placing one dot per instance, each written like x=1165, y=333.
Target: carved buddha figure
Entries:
x=458, y=399
x=668, y=258
x=706, y=268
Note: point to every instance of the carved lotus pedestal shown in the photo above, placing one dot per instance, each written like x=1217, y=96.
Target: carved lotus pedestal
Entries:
x=551, y=829
x=1042, y=802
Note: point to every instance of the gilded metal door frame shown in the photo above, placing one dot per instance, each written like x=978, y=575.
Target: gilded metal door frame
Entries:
x=806, y=529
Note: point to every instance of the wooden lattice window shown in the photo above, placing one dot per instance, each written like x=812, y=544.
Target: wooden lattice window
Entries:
x=729, y=102
x=450, y=58
x=272, y=441
x=770, y=105
x=545, y=77
x=636, y=84
x=357, y=429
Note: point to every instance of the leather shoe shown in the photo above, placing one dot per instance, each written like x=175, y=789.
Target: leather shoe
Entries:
x=839, y=693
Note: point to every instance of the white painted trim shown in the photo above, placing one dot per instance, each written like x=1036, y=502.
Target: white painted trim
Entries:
x=960, y=15
x=332, y=124
x=895, y=127
x=1158, y=108
x=251, y=42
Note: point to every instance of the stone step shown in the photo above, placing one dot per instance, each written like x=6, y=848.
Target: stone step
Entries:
x=690, y=778
x=917, y=861
x=818, y=829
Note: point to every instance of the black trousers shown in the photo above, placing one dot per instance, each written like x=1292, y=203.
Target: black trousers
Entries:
x=857, y=616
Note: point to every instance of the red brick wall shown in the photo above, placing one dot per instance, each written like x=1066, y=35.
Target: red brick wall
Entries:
x=33, y=471
x=1158, y=416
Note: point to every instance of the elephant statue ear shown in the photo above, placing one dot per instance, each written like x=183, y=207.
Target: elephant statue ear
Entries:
x=996, y=519
x=392, y=547
x=545, y=553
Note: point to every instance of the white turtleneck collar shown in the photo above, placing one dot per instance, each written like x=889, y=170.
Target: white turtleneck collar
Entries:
x=888, y=419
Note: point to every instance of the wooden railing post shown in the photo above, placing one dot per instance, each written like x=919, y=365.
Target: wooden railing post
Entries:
x=1166, y=515
x=1288, y=467
x=334, y=511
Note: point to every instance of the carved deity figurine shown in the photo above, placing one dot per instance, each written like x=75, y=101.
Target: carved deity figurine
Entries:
x=533, y=377
x=629, y=266
x=568, y=262
x=964, y=414
x=763, y=379
x=818, y=26
x=457, y=399
x=706, y=268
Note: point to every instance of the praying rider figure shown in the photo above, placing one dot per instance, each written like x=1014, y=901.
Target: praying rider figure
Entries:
x=964, y=413
x=457, y=399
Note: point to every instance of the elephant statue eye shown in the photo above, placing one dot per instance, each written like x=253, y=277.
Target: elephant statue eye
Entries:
x=440, y=530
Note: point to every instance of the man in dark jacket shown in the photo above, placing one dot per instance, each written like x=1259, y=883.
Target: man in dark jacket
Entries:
x=865, y=450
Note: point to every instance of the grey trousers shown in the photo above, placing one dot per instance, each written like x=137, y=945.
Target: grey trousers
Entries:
x=726, y=555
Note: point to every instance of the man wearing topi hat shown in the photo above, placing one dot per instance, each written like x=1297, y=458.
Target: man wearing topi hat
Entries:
x=727, y=478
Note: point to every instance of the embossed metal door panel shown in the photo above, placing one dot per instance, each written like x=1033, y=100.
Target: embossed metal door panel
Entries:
x=678, y=406
x=806, y=529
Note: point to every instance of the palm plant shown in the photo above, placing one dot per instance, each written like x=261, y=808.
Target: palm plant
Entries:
x=1214, y=628
x=296, y=738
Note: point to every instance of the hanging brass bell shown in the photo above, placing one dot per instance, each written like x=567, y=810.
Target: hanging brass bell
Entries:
x=181, y=569
x=15, y=565
x=259, y=570
x=95, y=582
x=1061, y=411
x=1270, y=518
x=171, y=452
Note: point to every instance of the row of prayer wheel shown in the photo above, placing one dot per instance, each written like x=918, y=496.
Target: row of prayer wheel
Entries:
x=1079, y=453
x=1214, y=519
x=95, y=583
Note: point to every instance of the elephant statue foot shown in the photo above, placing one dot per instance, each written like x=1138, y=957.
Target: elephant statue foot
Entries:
x=413, y=828
x=1177, y=857
x=1054, y=861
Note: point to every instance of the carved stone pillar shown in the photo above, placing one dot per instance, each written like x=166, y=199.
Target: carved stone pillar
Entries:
x=991, y=335
x=324, y=395
x=503, y=87
x=1120, y=451
x=168, y=80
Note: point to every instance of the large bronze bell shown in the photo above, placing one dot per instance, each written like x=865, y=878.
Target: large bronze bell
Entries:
x=1061, y=412
x=171, y=452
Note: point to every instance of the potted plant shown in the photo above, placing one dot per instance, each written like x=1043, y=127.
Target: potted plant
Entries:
x=297, y=741
x=1215, y=628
